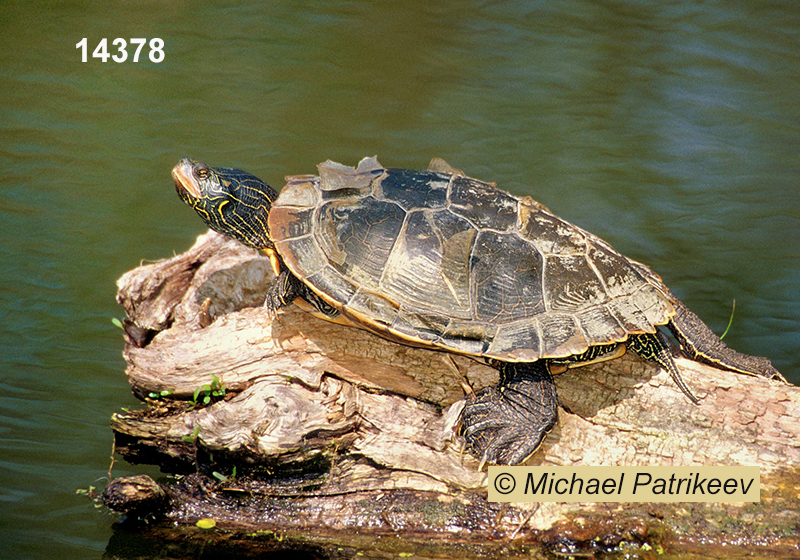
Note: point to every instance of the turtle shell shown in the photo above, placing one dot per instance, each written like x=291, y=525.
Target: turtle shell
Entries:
x=435, y=258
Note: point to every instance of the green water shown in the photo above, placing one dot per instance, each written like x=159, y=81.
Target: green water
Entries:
x=672, y=130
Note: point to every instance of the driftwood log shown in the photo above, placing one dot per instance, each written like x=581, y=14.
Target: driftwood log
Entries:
x=299, y=425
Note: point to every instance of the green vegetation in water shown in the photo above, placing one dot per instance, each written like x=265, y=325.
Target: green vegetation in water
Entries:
x=91, y=493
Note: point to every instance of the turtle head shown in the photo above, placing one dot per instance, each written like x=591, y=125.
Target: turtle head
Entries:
x=229, y=201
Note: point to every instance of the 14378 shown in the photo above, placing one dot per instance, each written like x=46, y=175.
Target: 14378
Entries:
x=120, y=46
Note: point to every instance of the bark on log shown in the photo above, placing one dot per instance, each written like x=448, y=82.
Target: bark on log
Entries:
x=337, y=425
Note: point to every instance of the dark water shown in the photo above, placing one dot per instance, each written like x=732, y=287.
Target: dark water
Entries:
x=670, y=129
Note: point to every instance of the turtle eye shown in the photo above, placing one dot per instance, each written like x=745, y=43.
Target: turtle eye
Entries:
x=201, y=171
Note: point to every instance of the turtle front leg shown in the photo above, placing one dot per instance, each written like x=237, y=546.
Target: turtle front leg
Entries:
x=506, y=424
x=282, y=292
x=286, y=288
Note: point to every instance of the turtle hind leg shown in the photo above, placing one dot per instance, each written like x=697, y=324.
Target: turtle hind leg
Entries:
x=655, y=347
x=703, y=345
x=505, y=425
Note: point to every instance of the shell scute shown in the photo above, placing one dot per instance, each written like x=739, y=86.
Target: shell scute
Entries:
x=552, y=235
x=483, y=205
x=292, y=221
x=518, y=341
x=413, y=189
x=571, y=284
x=600, y=326
x=357, y=235
x=376, y=306
x=561, y=335
x=337, y=287
x=427, y=270
x=507, y=277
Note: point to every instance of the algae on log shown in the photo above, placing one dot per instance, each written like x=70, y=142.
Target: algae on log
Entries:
x=312, y=424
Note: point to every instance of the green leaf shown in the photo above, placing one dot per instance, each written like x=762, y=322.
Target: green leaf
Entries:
x=192, y=438
x=730, y=321
x=117, y=323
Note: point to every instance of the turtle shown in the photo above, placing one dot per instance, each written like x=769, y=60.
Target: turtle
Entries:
x=440, y=260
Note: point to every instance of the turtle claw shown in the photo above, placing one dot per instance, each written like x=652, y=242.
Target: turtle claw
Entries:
x=283, y=291
x=506, y=425
x=272, y=305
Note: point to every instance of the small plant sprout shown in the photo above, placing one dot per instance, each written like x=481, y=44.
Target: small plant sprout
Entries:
x=209, y=392
x=222, y=478
x=192, y=438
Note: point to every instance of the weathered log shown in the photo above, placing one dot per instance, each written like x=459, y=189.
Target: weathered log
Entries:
x=337, y=425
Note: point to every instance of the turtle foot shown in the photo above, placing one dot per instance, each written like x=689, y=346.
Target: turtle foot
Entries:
x=282, y=292
x=287, y=288
x=506, y=425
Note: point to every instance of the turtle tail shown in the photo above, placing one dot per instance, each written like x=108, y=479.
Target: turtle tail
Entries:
x=702, y=345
